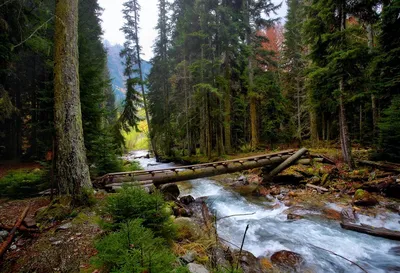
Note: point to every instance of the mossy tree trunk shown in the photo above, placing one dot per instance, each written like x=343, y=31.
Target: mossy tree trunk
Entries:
x=72, y=171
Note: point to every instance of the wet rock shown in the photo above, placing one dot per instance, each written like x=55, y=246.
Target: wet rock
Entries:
x=364, y=198
x=29, y=222
x=266, y=264
x=287, y=260
x=243, y=180
x=347, y=215
x=395, y=251
x=188, y=257
x=186, y=199
x=197, y=268
x=170, y=191
x=187, y=228
x=182, y=212
x=248, y=262
x=332, y=214
x=292, y=216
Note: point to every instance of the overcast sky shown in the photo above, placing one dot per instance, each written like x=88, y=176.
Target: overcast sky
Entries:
x=113, y=21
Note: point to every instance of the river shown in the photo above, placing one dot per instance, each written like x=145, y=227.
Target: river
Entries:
x=270, y=231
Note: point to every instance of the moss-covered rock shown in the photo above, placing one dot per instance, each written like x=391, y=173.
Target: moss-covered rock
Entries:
x=364, y=198
x=187, y=229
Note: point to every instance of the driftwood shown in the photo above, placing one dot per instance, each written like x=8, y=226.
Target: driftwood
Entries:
x=374, y=231
x=5, y=245
x=288, y=162
x=318, y=188
x=390, y=167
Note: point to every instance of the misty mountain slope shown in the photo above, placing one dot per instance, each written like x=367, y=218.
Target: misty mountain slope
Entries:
x=116, y=68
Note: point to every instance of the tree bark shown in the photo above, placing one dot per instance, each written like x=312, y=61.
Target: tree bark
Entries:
x=72, y=171
x=228, y=106
x=370, y=36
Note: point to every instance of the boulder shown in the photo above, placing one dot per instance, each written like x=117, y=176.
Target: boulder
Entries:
x=197, y=268
x=186, y=199
x=248, y=262
x=364, y=198
x=287, y=260
x=187, y=228
x=348, y=215
x=332, y=214
x=170, y=191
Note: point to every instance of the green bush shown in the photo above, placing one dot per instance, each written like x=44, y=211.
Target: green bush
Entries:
x=132, y=203
x=134, y=249
x=22, y=183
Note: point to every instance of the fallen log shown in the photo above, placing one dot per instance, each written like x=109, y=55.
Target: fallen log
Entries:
x=318, y=188
x=288, y=162
x=5, y=245
x=20, y=228
x=182, y=173
x=390, y=167
x=374, y=231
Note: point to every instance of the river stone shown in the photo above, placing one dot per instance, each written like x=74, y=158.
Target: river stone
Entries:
x=248, y=262
x=364, y=198
x=287, y=260
x=348, y=215
x=197, y=268
x=170, y=191
x=187, y=199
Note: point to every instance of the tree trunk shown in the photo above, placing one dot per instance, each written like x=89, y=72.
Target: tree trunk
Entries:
x=313, y=126
x=343, y=127
x=228, y=106
x=370, y=35
x=146, y=109
x=72, y=171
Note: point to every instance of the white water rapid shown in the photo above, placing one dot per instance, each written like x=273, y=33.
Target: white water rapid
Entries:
x=270, y=231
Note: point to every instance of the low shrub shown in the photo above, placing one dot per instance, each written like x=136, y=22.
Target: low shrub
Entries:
x=22, y=183
x=134, y=249
x=132, y=203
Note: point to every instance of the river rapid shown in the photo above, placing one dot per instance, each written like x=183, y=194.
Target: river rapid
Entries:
x=270, y=231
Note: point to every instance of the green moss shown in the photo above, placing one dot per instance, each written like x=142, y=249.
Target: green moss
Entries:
x=360, y=194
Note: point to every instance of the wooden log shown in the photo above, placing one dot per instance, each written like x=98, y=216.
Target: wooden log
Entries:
x=20, y=228
x=288, y=162
x=308, y=161
x=318, y=188
x=164, y=176
x=390, y=167
x=5, y=245
x=374, y=231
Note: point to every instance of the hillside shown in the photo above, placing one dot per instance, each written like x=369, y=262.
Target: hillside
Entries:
x=116, y=68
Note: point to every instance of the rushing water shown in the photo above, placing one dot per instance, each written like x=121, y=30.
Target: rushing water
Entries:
x=270, y=231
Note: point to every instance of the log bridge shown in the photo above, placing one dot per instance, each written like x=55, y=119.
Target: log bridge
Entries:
x=282, y=159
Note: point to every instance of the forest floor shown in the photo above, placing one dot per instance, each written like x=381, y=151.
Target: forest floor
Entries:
x=66, y=245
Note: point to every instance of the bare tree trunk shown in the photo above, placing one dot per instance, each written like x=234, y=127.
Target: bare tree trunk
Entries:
x=343, y=127
x=370, y=35
x=72, y=171
x=228, y=106
x=146, y=109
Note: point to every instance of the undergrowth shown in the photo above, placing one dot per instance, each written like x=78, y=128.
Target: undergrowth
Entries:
x=23, y=183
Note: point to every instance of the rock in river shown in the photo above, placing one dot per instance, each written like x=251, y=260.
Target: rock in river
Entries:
x=287, y=260
x=170, y=191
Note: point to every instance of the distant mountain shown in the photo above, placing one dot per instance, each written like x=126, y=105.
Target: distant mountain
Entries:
x=116, y=68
